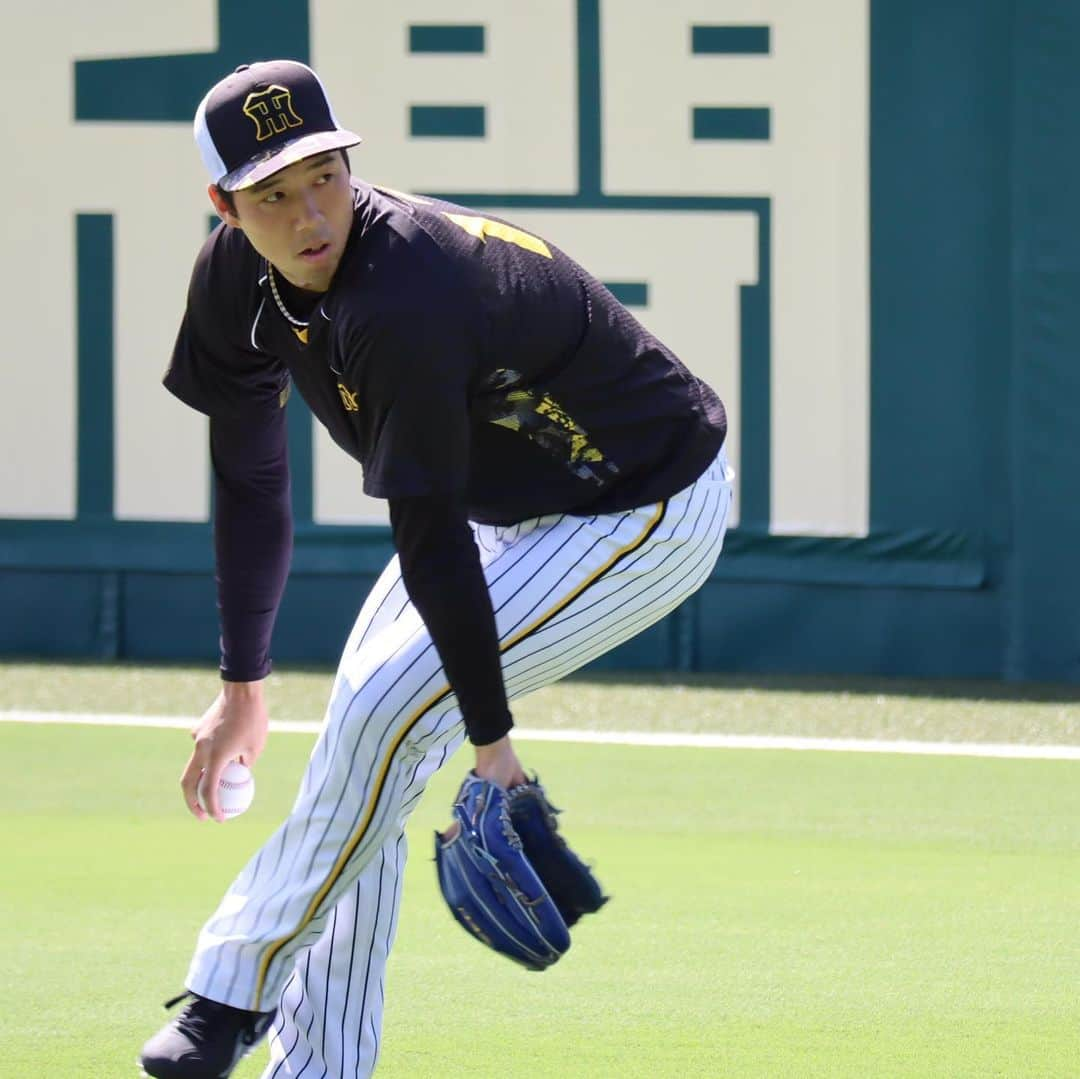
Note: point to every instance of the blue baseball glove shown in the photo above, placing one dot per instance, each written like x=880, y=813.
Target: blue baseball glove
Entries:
x=568, y=879
x=489, y=885
x=492, y=875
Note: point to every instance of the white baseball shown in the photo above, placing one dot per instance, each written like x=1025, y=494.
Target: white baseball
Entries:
x=236, y=789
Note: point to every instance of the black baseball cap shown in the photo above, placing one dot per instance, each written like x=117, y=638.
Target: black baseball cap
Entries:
x=261, y=119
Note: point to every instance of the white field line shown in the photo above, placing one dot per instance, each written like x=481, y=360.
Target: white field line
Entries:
x=623, y=738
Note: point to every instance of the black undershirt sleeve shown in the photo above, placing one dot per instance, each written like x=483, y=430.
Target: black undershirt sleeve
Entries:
x=440, y=567
x=252, y=536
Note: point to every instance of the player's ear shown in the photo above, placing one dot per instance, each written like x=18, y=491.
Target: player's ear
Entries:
x=225, y=209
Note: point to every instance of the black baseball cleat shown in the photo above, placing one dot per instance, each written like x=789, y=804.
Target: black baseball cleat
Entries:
x=205, y=1041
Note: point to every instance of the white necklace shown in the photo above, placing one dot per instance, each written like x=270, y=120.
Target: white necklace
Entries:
x=277, y=299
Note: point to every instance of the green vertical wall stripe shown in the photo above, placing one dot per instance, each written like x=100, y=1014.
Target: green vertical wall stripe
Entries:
x=169, y=88
x=755, y=371
x=590, y=146
x=447, y=121
x=446, y=38
x=94, y=407
x=744, y=124
x=1044, y=612
x=629, y=293
x=301, y=459
x=729, y=40
x=941, y=320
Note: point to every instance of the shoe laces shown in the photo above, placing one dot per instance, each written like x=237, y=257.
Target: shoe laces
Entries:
x=200, y=1012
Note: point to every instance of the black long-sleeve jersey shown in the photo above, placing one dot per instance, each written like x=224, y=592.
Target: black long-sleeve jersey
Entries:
x=474, y=371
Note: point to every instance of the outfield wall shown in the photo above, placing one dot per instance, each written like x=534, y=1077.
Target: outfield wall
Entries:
x=856, y=218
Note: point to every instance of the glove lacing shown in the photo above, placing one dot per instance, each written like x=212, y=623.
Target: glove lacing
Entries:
x=506, y=826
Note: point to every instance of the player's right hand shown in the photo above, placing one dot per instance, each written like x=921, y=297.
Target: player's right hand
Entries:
x=233, y=728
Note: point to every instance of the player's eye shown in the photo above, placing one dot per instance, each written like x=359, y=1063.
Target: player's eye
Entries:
x=274, y=196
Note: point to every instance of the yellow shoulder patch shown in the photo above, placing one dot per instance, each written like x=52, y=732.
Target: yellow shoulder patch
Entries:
x=483, y=227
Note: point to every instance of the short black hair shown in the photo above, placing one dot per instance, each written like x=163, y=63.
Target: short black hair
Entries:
x=229, y=197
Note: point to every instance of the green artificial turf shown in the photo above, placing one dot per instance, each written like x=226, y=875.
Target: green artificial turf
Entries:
x=774, y=914
x=684, y=702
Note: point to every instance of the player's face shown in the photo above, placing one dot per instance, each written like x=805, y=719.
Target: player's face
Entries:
x=300, y=218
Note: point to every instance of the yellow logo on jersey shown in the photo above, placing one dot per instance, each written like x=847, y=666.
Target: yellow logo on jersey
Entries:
x=579, y=447
x=541, y=419
x=271, y=111
x=348, y=399
x=482, y=228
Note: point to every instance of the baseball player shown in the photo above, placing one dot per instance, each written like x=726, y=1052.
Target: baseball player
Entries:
x=556, y=483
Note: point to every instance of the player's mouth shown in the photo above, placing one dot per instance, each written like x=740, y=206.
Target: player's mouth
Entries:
x=315, y=253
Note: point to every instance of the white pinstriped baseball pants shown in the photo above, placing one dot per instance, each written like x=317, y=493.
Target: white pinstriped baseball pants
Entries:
x=308, y=924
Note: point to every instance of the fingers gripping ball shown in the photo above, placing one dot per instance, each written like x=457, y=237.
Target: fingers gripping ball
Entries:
x=236, y=789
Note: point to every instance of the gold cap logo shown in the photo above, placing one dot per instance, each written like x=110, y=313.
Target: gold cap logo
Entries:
x=271, y=110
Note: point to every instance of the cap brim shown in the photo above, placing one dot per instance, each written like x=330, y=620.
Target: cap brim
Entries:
x=264, y=165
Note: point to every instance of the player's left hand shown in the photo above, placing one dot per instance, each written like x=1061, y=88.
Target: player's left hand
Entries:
x=498, y=763
x=489, y=885
x=508, y=876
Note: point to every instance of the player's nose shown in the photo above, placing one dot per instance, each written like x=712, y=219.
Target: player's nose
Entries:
x=307, y=210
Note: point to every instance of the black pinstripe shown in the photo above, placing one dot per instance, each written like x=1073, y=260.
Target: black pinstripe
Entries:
x=373, y=623
x=491, y=578
x=510, y=668
x=390, y=725
x=303, y=996
x=297, y=980
x=615, y=634
x=360, y=811
x=517, y=555
x=374, y=619
x=352, y=961
x=367, y=969
x=391, y=929
x=598, y=541
x=630, y=563
x=626, y=593
x=388, y=926
x=573, y=612
x=326, y=989
x=391, y=722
